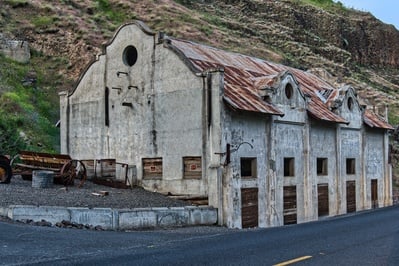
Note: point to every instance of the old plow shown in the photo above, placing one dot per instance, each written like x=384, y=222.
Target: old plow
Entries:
x=66, y=170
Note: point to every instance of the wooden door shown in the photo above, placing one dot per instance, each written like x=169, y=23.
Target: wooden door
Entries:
x=374, y=193
x=249, y=207
x=290, y=210
x=350, y=196
x=322, y=198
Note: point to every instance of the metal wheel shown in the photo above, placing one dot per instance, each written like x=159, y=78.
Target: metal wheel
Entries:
x=5, y=172
x=72, y=170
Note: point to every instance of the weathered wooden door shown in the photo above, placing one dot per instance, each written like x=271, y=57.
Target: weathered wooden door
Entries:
x=249, y=207
x=350, y=196
x=322, y=198
x=290, y=210
x=374, y=193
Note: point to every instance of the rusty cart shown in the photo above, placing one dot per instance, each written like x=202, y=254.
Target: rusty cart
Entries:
x=5, y=170
x=66, y=170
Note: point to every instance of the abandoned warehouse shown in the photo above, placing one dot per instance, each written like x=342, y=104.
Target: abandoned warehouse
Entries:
x=267, y=144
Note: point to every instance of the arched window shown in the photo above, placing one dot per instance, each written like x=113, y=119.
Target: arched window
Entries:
x=289, y=90
x=350, y=103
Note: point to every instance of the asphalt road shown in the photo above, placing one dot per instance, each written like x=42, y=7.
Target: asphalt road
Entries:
x=368, y=238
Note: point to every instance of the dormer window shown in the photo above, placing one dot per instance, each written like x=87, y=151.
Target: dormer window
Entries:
x=350, y=103
x=289, y=91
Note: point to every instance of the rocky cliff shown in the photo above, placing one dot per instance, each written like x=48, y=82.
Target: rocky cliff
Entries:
x=342, y=45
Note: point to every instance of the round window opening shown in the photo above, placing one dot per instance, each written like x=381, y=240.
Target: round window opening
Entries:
x=130, y=55
x=350, y=103
x=289, y=91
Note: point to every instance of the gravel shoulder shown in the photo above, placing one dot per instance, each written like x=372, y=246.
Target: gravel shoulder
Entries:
x=21, y=192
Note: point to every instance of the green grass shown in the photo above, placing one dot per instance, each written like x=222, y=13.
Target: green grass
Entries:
x=27, y=116
x=42, y=21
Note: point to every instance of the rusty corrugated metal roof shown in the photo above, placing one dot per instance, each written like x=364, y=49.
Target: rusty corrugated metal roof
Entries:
x=244, y=74
x=373, y=120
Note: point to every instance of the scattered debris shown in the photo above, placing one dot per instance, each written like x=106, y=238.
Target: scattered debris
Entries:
x=100, y=193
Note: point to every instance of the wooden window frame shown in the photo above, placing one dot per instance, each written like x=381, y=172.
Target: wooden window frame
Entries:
x=150, y=171
x=248, y=167
x=192, y=167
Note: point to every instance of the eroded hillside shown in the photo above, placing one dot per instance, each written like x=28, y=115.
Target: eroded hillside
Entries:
x=341, y=45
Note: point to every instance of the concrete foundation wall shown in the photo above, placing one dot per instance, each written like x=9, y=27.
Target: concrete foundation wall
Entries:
x=114, y=219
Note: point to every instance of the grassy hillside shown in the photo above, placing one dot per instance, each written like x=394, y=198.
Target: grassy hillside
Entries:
x=340, y=44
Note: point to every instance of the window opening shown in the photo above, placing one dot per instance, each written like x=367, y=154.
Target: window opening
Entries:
x=248, y=167
x=129, y=55
x=322, y=166
x=350, y=103
x=350, y=166
x=289, y=91
x=289, y=167
x=106, y=107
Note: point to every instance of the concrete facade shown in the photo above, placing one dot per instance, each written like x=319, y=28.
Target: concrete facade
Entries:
x=150, y=101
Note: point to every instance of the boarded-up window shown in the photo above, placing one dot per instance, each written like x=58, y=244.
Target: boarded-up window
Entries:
x=289, y=167
x=192, y=167
x=322, y=167
x=105, y=168
x=152, y=168
x=290, y=209
x=248, y=168
x=322, y=198
x=350, y=196
x=350, y=166
x=249, y=207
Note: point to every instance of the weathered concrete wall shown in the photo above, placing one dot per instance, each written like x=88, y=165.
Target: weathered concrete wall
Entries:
x=175, y=121
x=376, y=168
x=83, y=131
x=15, y=49
x=116, y=219
x=323, y=145
x=247, y=136
x=155, y=110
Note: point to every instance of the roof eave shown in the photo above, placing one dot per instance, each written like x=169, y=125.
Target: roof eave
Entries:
x=237, y=108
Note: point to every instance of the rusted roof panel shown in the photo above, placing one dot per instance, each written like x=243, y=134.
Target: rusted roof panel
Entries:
x=243, y=76
x=373, y=120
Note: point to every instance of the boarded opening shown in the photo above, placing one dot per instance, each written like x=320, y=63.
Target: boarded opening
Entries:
x=192, y=167
x=350, y=196
x=290, y=211
x=152, y=168
x=249, y=207
x=322, y=199
x=374, y=193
